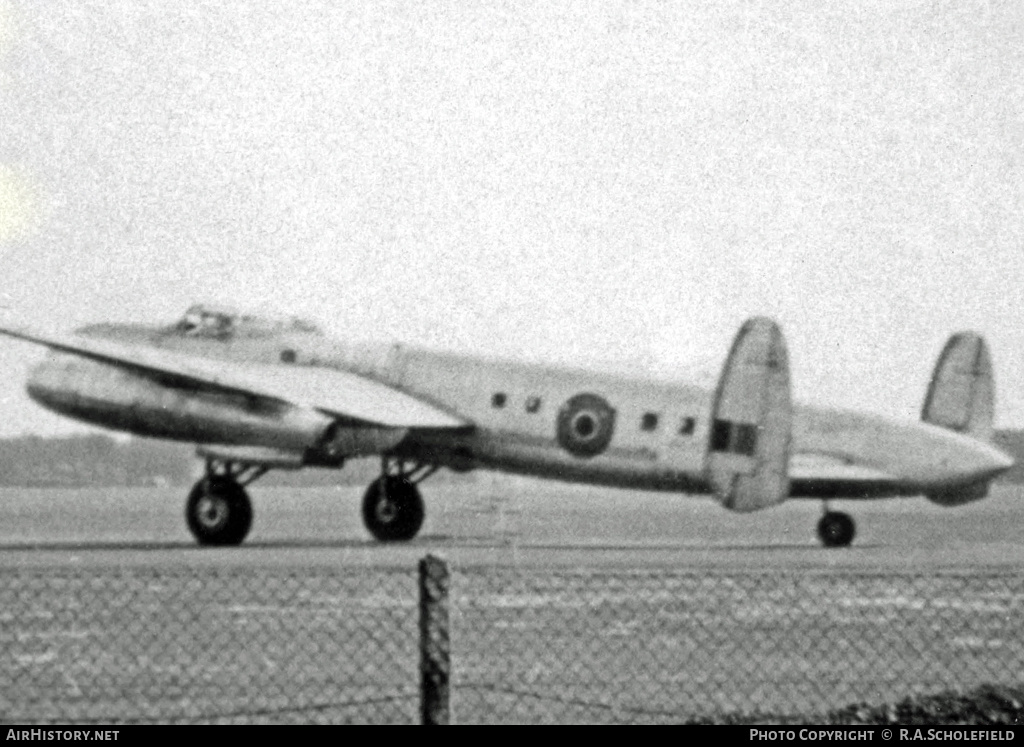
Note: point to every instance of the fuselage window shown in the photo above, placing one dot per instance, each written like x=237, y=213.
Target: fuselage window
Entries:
x=498, y=399
x=287, y=356
x=649, y=422
x=533, y=404
x=687, y=426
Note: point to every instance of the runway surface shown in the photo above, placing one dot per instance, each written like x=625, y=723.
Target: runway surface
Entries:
x=512, y=522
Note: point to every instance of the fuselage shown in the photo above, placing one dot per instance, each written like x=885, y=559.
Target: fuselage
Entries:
x=653, y=434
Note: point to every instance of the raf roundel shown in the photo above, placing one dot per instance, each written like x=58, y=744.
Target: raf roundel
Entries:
x=585, y=425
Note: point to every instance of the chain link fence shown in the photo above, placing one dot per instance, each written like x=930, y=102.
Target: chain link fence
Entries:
x=672, y=647
x=202, y=645
x=525, y=645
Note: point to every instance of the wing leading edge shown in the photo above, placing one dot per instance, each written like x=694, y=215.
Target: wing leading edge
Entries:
x=331, y=391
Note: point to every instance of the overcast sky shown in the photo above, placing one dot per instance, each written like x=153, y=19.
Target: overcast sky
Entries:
x=588, y=182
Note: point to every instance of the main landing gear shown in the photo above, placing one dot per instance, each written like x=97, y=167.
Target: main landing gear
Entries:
x=836, y=529
x=392, y=505
x=218, y=510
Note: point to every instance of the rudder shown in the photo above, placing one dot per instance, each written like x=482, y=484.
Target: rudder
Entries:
x=748, y=451
x=961, y=395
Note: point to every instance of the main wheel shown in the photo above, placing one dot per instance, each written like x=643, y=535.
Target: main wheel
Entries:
x=836, y=529
x=218, y=512
x=393, y=509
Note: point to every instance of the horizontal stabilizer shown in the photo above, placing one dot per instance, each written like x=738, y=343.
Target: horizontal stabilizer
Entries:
x=961, y=395
x=816, y=475
x=958, y=497
x=748, y=452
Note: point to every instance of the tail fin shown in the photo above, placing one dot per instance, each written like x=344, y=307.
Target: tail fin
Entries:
x=961, y=395
x=748, y=452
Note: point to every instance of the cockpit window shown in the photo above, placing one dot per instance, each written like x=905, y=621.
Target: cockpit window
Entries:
x=207, y=321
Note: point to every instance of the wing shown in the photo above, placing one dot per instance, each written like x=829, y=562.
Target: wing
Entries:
x=331, y=391
x=815, y=475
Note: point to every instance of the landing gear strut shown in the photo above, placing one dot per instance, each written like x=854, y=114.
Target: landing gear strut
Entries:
x=392, y=506
x=218, y=511
x=836, y=529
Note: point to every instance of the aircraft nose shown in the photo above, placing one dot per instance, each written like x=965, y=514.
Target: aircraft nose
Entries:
x=45, y=380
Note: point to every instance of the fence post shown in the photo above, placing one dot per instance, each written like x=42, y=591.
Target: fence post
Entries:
x=434, y=650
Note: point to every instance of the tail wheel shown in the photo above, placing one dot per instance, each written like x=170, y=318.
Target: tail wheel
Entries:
x=218, y=511
x=393, y=509
x=836, y=529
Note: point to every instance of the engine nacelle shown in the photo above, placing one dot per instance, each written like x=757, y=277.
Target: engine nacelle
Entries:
x=960, y=496
x=344, y=441
x=117, y=398
x=336, y=445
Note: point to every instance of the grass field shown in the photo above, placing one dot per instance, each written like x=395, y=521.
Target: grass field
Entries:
x=566, y=606
x=669, y=646
x=113, y=645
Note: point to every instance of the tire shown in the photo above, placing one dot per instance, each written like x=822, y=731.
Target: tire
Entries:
x=393, y=509
x=836, y=529
x=218, y=512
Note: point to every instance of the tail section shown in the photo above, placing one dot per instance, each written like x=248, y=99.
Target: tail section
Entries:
x=748, y=452
x=961, y=396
